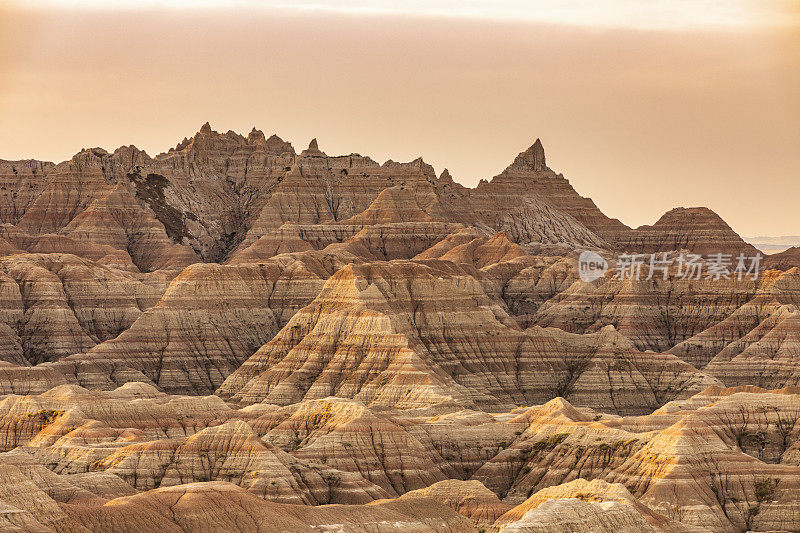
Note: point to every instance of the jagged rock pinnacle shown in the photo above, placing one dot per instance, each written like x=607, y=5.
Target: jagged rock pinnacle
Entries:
x=531, y=159
x=206, y=128
x=255, y=135
x=313, y=146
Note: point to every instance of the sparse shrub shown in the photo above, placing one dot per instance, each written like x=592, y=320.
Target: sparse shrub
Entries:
x=765, y=490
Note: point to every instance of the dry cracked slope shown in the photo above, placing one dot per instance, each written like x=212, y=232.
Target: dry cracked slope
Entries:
x=234, y=336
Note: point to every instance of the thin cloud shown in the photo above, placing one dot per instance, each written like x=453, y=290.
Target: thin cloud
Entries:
x=636, y=14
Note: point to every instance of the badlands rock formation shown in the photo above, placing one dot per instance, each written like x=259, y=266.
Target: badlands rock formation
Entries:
x=78, y=460
x=697, y=229
x=234, y=336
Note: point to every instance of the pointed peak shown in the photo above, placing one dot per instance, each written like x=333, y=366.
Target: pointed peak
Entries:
x=255, y=135
x=181, y=145
x=445, y=176
x=313, y=150
x=206, y=128
x=531, y=159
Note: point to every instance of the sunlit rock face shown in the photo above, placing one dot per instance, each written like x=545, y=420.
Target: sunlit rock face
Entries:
x=720, y=460
x=234, y=336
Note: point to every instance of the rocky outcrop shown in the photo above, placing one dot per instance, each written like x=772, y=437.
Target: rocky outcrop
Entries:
x=784, y=260
x=234, y=336
x=55, y=305
x=347, y=436
x=190, y=345
x=655, y=314
x=233, y=452
x=388, y=334
x=466, y=247
x=721, y=460
x=528, y=176
x=215, y=193
x=221, y=506
x=760, y=330
x=696, y=229
x=468, y=498
x=582, y=505
x=21, y=182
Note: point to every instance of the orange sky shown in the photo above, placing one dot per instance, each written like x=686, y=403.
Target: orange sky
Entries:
x=641, y=118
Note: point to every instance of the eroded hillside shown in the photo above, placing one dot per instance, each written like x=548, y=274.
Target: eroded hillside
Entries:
x=233, y=336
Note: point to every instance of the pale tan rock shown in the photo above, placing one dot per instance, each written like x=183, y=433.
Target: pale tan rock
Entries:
x=346, y=436
x=479, y=252
x=574, y=515
x=220, y=506
x=233, y=452
x=723, y=460
x=285, y=239
x=25, y=507
x=468, y=498
x=393, y=331
x=611, y=507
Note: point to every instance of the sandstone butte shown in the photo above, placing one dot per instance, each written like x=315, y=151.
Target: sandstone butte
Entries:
x=234, y=336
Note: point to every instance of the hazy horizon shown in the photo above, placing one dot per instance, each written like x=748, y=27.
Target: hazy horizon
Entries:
x=641, y=118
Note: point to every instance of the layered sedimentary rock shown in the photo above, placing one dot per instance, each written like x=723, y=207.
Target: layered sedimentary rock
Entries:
x=655, y=314
x=221, y=506
x=582, y=505
x=721, y=460
x=784, y=260
x=234, y=336
x=528, y=177
x=411, y=334
x=605, y=371
x=756, y=344
x=55, y=305
x=468, y=498
x=233, y=452
x=468, y=247
x=190, y=344
x=376, y=336
x=347, y=436
x=696, y=229
x=216, y=193
x=684, y=470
